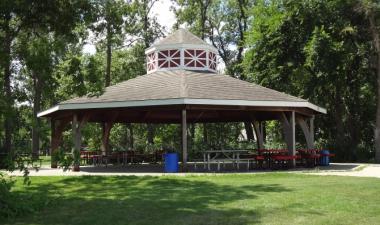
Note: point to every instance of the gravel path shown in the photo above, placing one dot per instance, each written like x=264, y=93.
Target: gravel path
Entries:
x=357, y=170
x=338, y=169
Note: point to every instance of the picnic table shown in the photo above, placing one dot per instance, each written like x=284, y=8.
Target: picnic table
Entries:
x=309, y=157
x=221, y=156
x=277, y=157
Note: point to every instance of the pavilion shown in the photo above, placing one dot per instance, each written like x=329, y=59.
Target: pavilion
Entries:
x=182, y=86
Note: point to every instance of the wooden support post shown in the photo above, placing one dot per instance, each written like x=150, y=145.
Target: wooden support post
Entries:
x=106, y=130
x=259, y=134
x=249, y=130
x=286, y=128
x=307, y=130
x=262, y=130
x=53, y=144
x=76, y=133
x=184, y=140
x=57, y=127
x=289, y=126
x=292, y=149
x=311, y=131
x=77, y=140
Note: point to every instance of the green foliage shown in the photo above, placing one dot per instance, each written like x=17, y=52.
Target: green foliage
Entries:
x=223, y=23
x=320, y=51
x=14, y=204
x=64, y=159
x=9, y=205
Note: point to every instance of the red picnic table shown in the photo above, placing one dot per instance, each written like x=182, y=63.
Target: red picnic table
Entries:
x=276, y=157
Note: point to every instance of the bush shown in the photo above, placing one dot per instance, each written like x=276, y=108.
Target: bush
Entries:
x=12, y=203
x=8, y=205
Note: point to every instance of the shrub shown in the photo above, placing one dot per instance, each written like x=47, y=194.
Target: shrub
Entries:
x=13, y=203
x=8, y=205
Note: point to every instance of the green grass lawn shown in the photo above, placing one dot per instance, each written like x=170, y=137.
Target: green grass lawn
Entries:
x=276, y=198
x=45, y=160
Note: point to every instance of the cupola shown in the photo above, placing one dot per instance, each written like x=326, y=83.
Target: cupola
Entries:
x=181, y=50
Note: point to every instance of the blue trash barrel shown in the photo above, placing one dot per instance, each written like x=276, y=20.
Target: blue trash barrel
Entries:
x=171, y=162
x=325, y=159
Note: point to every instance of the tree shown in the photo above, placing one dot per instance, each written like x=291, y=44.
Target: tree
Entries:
x=318, y=50
x=372, y=11
x=185, y=14
x=115, y=20
x=224, y=23
x=36, y=54
x=22, y=17
x=149, y=30
x=13, y=18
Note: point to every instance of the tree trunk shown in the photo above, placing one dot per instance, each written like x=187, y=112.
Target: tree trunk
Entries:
x=205, y=134
x=184, y=139
x=57, y=128
x=192, y=136
x=146, y=37
x=131, y=140
x=377, y=129
x=36, y=109
x=107, y=76
x=263, y=131
x=8, y=120
x=376, y=42
x=77, y=141
x=106, y=130
x=242, y=29
x=340, y=131
x=109, y=56
x=150, y=135
x=204, y=7
x=249, y=131
x=237, y=131
x=219, y=136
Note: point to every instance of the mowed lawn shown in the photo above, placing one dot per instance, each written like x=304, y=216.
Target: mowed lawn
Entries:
x=272, y=198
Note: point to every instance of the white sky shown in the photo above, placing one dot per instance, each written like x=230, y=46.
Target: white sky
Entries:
x=161, y=10
x=164, y=16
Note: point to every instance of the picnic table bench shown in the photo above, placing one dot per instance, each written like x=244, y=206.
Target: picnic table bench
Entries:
x=222, y=156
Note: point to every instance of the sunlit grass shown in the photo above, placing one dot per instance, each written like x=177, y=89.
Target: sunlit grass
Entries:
x=277, y=198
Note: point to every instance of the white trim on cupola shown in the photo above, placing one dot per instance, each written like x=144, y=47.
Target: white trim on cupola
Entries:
x=195, y=63
x=194, y=54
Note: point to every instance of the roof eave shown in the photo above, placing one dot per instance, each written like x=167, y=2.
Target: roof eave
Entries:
x=180, y=101
x=49, y=111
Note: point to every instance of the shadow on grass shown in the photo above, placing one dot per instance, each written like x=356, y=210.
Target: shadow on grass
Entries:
x=145, y=200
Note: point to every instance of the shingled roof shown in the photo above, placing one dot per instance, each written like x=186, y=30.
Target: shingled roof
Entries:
x=186, y=87
x=181, y=36
x=186, y=84
x=182, y=85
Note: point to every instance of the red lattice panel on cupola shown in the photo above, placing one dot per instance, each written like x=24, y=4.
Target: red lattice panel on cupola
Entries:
x=169, y=58
x=151, y=62
x=212, y=60
x=195, y=58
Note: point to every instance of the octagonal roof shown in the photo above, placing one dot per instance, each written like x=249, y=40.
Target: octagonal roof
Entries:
x=183, y=87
